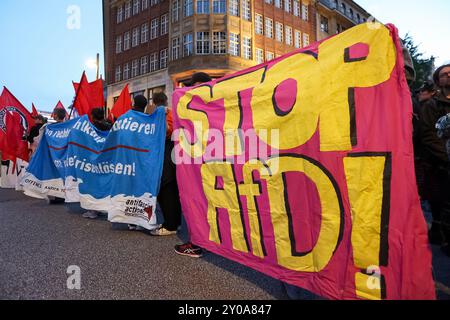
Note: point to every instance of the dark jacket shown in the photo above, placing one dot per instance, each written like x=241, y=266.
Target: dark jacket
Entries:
x=434, y=149
x=102, y=125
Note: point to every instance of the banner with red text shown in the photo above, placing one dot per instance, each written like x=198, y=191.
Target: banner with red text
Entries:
x=302, y=168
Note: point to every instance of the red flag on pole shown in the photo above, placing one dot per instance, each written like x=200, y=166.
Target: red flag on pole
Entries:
x=35, y=113
x=123, y=104
x=13, y=146
x=8, y=102
x=59, y=105
x=88, y=95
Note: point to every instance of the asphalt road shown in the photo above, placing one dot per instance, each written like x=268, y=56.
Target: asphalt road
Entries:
x=39, y=242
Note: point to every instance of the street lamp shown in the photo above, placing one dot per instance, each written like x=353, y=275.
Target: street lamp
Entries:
x=92, y=63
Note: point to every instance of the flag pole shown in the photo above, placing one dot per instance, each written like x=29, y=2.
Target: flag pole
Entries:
x=76, y=95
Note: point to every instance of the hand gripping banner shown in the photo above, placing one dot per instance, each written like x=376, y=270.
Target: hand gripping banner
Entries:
x=302, y=168
x=118, y=172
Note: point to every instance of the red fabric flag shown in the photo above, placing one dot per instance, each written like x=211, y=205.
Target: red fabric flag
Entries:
x=13, y=145
x=59, y=105
x=35, y=113
x=123, y=104
x=88, y=95
x=8, y=102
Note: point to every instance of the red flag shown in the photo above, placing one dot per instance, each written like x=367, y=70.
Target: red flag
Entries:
x=13, y=145
x=123, y=104
x=59, y=105
x=88, y=95
x=35, y=113
x=10, y=103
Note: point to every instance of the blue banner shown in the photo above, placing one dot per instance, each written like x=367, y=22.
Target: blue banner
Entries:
x=118, y=171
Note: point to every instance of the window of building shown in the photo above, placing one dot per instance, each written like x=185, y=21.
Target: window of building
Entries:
x=163, y=59
x=154, y=29
x=219, y=6
x=144, y=65
x=135, y=40
x=202, y=43
x=234, y=7
x=154, y=62
x=358, y=18
x=269, y=28
x=175, y=10
x=175, y=48
x=259, y=55
x=305, y=12
x=128, y=10
x=298, y=39
x=135, y=68
x=305, y=39
x=144, y=5
x=144, y=33
x=269, y=55
x=154, y=2
x=202, y=6
x=268, y=1
x=296, y=7
x=288, y=35
x=126, y=41
x=343, y=8
x=279, y=31
x=188, y=8
x=259, y=27
x=278, y=4
x=187, y=45
x=324, y=24
x=219, y=43
x=136, y=7
x=119, y=14
x=119, y=44
x=118, y=73
x=350, y=12
x=287, y=6
x=126, y=71
x=234, y=44
x=247, y=10
x=247, y=47
x=164, y=24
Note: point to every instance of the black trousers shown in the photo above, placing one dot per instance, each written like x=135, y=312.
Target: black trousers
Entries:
x=169, y=201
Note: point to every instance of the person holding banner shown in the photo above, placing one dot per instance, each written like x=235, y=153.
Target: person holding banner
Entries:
x=189, y=249
x=168, y=198
x=437, y=180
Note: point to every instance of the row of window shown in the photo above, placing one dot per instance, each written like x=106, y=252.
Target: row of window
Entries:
x=282, y=33
x=349, y=12
x=235, y=8
x=124, y=12
x=294, y=7
x=139, y=35
x=211, y=43
x=142, y=66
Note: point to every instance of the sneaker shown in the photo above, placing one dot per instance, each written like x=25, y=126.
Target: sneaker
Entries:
x=188, y=249
x=90, y=215
x=162, y=232
x=132, y=227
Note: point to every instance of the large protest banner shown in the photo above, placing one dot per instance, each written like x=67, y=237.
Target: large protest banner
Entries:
x=118, y=171
x=302, y=168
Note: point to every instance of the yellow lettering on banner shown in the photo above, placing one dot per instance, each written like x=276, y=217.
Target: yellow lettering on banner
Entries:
x=323, y=89
x=226, y=198
x=365, y=183
x=229, y=90
x=332, y=211
x=251, y=190
x=199, y=120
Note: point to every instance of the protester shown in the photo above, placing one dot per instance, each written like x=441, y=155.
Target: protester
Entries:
x=168, y=198
x=436, y=158
x=39, y=121
x=98, y=120
x=426, y=92
x=189, y=249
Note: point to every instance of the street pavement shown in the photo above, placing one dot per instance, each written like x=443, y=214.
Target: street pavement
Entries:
x=38, y=242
